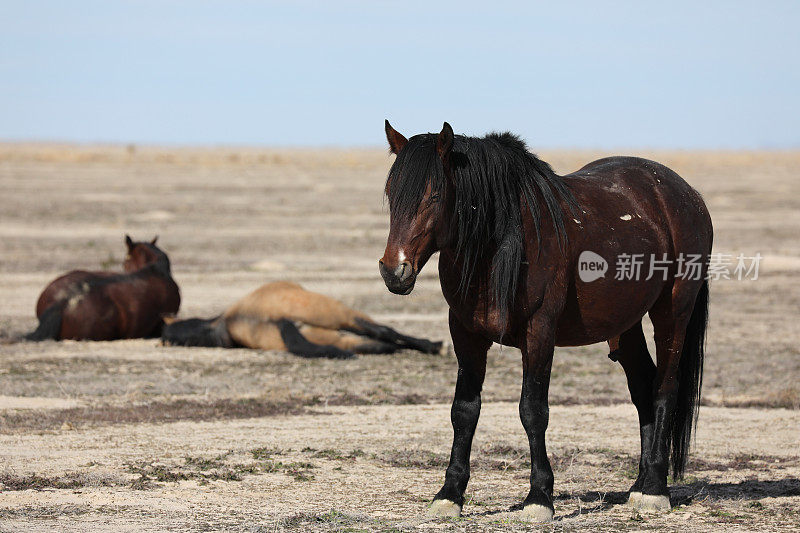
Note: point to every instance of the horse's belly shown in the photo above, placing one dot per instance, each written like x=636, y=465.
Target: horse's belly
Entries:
x=257, y=334
x=623, y=265
x=596, y=313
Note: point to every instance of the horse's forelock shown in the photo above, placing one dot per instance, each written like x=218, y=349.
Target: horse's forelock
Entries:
x=416, y=166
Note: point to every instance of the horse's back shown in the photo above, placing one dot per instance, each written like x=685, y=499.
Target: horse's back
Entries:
x=629, y=188
x=284, y=299
x=66, y=286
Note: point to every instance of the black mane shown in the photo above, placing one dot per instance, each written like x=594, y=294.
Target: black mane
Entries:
x=492, y=175
x=161, y=265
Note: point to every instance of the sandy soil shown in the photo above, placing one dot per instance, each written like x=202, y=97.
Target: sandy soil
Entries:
x=133, y=436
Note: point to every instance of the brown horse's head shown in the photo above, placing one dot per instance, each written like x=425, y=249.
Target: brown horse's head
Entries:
x=141, y=254
x=419, y=205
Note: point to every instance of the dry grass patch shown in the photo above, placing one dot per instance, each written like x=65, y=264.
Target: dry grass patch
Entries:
x=70, y=480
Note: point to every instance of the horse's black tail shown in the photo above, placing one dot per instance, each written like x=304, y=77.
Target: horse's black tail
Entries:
x=49, y=324
x=211, y=332
x=690, y=382
x=297, y=344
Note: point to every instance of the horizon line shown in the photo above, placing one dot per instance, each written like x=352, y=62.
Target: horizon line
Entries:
x=322, y=146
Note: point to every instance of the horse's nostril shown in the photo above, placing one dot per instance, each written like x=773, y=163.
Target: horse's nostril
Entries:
x=403, y=271
x=400, y=273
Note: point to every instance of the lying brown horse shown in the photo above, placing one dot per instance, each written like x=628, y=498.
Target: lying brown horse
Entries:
x=103, y=306
x=265, y=319
x=511, y=234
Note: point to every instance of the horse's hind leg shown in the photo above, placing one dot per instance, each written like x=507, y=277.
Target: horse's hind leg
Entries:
x=678, y=315
x=631, y=351
x=297, y=344
x=346, y=341
x=387, y=334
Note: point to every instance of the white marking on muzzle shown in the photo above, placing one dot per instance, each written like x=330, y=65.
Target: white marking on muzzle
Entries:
x=401, y=256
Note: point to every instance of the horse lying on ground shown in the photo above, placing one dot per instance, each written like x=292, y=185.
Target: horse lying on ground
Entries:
x=102, y=306
x=265, y=319
x=510, y=233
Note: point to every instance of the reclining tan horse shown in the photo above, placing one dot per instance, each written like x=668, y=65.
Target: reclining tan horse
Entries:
x=284, y=316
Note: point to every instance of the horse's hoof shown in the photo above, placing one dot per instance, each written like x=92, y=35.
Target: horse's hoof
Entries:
x=444, y=509
x=649, y=502
x=634, y=497
x=536, y=513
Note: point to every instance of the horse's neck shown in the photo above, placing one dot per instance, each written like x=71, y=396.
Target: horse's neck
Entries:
x=472, y=305
x=451, y=269
x=159, y=268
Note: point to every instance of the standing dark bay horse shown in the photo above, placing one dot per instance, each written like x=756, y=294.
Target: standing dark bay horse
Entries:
x=510, y=233
x=103, y=306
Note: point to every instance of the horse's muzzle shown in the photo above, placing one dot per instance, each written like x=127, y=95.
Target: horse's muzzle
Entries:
x=399, y=280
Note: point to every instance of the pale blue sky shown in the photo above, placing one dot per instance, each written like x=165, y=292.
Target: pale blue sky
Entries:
x=562, y=74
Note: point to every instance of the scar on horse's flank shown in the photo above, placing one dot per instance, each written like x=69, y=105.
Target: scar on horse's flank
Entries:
x=284, y=316
x=83, y=305
x=508, y=271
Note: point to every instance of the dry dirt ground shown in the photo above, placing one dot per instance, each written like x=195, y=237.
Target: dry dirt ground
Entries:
x=132, y=436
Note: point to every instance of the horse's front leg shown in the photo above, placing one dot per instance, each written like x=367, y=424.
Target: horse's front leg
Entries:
x=471, y=351
x=537, y=359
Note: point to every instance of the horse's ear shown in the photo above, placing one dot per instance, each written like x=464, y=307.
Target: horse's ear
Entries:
x=153, y=242
x=444, y=143
x=395, y=138
x=128, y=241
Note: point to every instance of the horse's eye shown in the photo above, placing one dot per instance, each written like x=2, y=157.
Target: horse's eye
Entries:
x=434, y=197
